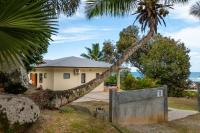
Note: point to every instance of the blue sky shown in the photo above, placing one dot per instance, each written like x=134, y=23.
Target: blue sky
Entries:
x=77, y=32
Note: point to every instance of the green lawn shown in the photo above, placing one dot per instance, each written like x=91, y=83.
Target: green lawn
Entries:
x=183, y=103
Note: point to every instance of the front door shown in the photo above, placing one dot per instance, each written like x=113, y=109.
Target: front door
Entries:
x=34, y=79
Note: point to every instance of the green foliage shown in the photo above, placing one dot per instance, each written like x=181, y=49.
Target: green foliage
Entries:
x=129, y=82
x=66, y=109
x=109, y=52
x=93, y=53
x=15, y=89
x=190, y=94
x=24, y=27
x=36, y=58
x=111, y=80
x=168, y=61
x=128, y=37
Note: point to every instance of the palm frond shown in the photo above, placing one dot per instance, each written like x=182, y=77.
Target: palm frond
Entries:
x=109, y=7
x=67, y=7
x=24, y=25
x=195, y=9
x=85, y=56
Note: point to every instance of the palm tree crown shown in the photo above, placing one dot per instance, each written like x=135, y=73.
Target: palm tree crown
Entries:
x=93, y=53
x=149, y=13
x=195, y=9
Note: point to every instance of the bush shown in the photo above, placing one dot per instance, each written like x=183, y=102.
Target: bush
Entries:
x=131, y=83
x=111, y=81
x=190, y=94
x=15, y=88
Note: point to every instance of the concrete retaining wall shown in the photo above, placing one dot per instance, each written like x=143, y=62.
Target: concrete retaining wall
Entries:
x=143, y=106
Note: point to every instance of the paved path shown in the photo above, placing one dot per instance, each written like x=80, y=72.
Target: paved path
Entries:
x=175, y=114
x=95, y=96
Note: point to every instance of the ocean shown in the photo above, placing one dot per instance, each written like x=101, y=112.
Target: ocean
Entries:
x=194, y=76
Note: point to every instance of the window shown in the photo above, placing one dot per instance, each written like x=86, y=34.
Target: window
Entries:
x=66, y=75
x=45, y=75
x=83, y=77
x=40, y=78
x=97, y=75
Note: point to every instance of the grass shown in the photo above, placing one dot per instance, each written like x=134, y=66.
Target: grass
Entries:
x=68, y=120
x=183, y=103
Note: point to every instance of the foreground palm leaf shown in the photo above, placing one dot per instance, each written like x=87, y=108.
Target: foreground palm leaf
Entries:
x=24, y=27
x=195, y=9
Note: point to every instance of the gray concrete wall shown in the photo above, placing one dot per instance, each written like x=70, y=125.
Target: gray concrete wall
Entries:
x=143, y=106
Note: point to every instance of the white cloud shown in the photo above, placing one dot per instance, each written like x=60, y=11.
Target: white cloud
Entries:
x=195, y=61
x=65, y=38
x=190, y=36
x=182, y=11
x=79, y=33
x=84, y=29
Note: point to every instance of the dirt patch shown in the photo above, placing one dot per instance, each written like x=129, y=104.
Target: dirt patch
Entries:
x=189, y=124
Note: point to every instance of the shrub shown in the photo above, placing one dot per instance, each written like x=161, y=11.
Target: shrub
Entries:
x=112, y=80
x=190, y=94
x=15, y=88
x=131, y=83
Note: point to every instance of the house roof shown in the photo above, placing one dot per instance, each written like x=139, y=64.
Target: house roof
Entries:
x=75, y=62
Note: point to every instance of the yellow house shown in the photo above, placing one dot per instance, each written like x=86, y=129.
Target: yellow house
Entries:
x=66, y=73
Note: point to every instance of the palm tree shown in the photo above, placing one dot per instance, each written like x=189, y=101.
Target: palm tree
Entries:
x=24, y=27
x=93, y=53
x=195, y=9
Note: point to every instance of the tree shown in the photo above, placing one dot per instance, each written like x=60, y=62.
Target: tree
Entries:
x=127, y=37
x=24, y=27
x=93, y=53
x=167, y=60
x=109, y=52
x=195, y=9
x=36, y=57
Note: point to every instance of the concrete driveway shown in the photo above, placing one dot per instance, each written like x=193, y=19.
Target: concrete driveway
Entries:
x=95, y=96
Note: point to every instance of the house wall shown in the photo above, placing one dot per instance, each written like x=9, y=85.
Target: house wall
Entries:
x=47, y=82
x=55, y=80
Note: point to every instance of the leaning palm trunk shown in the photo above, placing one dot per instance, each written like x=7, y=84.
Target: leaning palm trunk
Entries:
x=56, y=99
